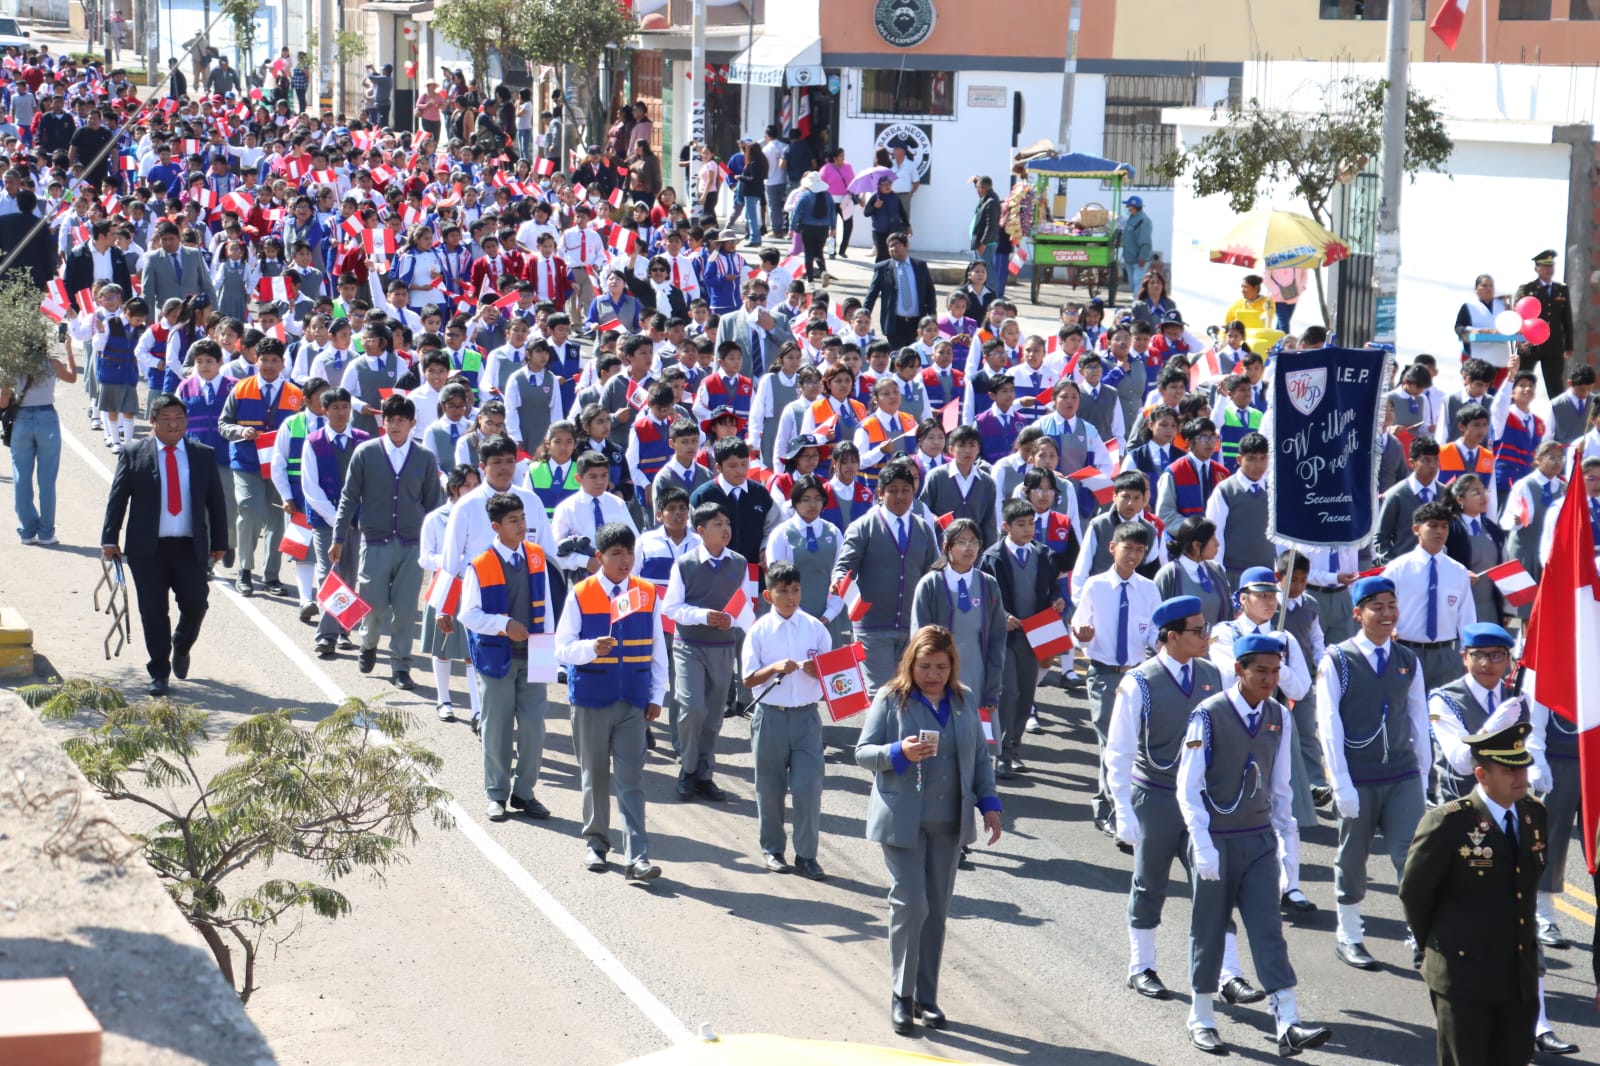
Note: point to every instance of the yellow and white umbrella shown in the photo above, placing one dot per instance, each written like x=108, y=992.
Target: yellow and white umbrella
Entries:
x=1278, y=240
x=761, y=1049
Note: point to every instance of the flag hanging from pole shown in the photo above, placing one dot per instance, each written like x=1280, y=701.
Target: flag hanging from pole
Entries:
x=1449, y=19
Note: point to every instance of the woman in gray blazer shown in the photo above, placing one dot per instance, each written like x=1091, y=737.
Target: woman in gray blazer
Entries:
x=925, y=744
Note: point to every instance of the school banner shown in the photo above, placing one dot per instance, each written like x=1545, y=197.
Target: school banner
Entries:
x=1321, y=423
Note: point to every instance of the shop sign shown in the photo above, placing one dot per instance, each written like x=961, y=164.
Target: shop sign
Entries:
x=987, y=96
x=903, y=23
x=915, y=138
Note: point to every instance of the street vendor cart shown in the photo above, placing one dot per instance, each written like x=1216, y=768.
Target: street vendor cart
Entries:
x=1084, y=245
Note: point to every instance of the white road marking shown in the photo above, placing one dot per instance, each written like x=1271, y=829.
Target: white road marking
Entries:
x=651, y=1006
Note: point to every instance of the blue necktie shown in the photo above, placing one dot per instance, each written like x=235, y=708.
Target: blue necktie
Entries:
x=1383, y=659
x=516, y=560
x=1205, y=579
x=1433, y=598
x=902, y=536
x=1185, y=679
x=1491, y=702
x=1038, y=525
x=455, y=432
x=1548, y=493
x=1426, y=495
x=1022, y=557
x=1253, y=719
x=1122, y=626
x=811, y=539
x=1477, y=527
x=599, y=515
x=1255, y=488
x=963, y=599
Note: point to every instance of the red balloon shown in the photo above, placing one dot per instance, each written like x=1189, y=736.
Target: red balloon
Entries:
x=1528, y=307
x=1535, y=330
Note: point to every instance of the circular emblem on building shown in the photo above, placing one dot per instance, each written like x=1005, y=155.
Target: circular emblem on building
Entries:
x=913, y=138
x=903, y=23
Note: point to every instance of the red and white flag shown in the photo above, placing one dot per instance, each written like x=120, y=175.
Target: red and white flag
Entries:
x=1207, y=366
x=239, y=203
x=986, y=716
x=84, y=298
x=1514, y=583
x=624, y=241
x=444, y=592
x=340, y=600
x=1563, y=632
x=1019, y=259
x=616, y=198
x=266, y=447
x=752, y=572
x=742, y=609
x=378, y=241
x=844, y=689
x=1047, y=634
x=1097, y=484
x=611, y=323
x=630, y=602
x=1447, y=23
x=545, y=167
x=274, y=290
x=296, y=542
x=847, y=590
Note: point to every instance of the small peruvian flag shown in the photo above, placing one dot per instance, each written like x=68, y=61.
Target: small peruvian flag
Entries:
x=848, y=591
x=1207, y=367
x=1514, y=583
x=266, y=447
x=340, y=600
x=1047, y=634
x=945, y=519
x=85, y=301
x=844, y=689
x=508, y=301
x=950, y=416
x=55, y=312
x=545, y=167
x=741, y=609
x=379, y=241
x=624, y=241
x=634, y=600
x=382, y=175
x=1097, y=484
x=444, y=592
x=127, y=163
x=273, y=290
x=1447, y=23
x=616, y=198
x=1019, y=259
x=986, y=716
x=237, y=202
x=610, y=323
x=296, y=542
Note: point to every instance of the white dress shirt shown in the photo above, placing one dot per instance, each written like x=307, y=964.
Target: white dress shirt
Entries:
x=1295, y=677
x=182, y=523
x=1450, y=732
x=1099, y=605
x=775, y=638
x=1089, y=547
x=1192, y=777
x=1330, y=725
x=1454, y=606
x=574, y=517
x=1126, y=733
x=674, y=606
x=469, y=531
x=573, y=650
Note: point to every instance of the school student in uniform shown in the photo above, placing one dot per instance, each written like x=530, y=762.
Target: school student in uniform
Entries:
x=616, y=680
x=579, y=517
x=681, y=469
x=324, y=464
x=659, y=548
x=958, y=595
x=1435, y=596
x=809, y=543
x=503, y=603
x=442, y=646
x=258, y=404
x=204, y=394
x=961, y=488
x=785, y=731
x=287, y=458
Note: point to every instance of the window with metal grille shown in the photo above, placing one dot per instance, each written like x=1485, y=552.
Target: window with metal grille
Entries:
x=920, y=94
x=1135, y=133
x=1528, y=10
x=1369, y=10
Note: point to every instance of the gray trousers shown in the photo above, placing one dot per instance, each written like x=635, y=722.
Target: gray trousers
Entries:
x=1102, y=696
x=704, y=673
x=609, y=744
x=1018, y=683
x=1439, y=666
x=921, y=881
x=787, y=744
x=1561, y=808
x=1394, y=809
x=1249, y=882
x=230, y=502
x=1335, y=611
x=669, y=706
x=1305, y=770
x=328, y=627
x=259, y=510
x=390, y=581
x=513, y=717
x=1162, y=838
x=883, y=649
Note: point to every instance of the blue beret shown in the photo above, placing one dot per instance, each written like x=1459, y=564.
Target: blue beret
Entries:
x=1369, y=587
x=1258, y=575
x=1487, y=635
x=1176, y=608
x=1256, y=644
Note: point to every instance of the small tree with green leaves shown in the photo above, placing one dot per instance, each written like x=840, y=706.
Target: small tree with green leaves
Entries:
x=574, y=33
x=24, y=334
x=1312, y=152
x=341, y=796
x=479, y=26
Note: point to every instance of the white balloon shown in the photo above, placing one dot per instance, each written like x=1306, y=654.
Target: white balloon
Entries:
x=1508, y=323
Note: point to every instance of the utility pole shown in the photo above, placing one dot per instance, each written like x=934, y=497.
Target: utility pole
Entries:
x=1069, y=75
x=1386, y=276
x=697, y=103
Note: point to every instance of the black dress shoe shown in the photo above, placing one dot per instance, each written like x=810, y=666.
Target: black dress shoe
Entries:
x=158, y=687
x=810, y=869
x=1207, y=1040
x=180, y=664
x=1003, y=770
x=1238, y=991
x=1147, y=984
x=243, y=585
x=711, y=790
x=649, y=739
x=1321, y=797
x=402, y=680
x=1417, y=956
x=1550, y=936
x=1355, y=955
x=1551, y=1044
x=686, y=789
x=324, y=649
x=228, y=558
x=368, y=659
x=1299, y=906
x=530, y=806
x=930, y=1014
x=1019, y=766
x=275, y=587
x=1298, y=1037
x=477, y=727
x=308, y=614
x=900, y=1014
x=346, y=644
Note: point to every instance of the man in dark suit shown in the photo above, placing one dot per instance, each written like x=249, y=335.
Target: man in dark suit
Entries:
x=1555, y=307
x=906, y=288
x=1469, y=891
x=96, y=260
x=21, y=233
x=174, y=272
x=171, y=492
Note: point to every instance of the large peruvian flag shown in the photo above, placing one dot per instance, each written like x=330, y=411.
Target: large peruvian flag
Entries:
x=1563, y=633
x=1447, y=23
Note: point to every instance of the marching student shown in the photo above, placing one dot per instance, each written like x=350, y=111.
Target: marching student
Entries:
x=1187, y=485
x=1239, y=509
x=1111, y=622
x=1130, y=494
x=594, y=424
x=650, y=443
x=1528, y=506
x=553, y=476
x=785, y=732
x=445, y=431
x=1195, y=572
x=1394, y=536
x=1303, y=622
x=443, y=645
x=259, y=404
x=961, y=488
x=390, y=486
x=533, y=397
x=616, y=679
x=811, y=545
x=377, y=370
x=963, y=598
x=1435, y=594
x=748, y=505
x=324, y=463
x=659, y=548
x=703, y=581
x=1570, y=412
x=111, y=335
x=286, y=462
x=681, y=469
x=1372, y=717
x=204, y=394
x=1233, y=736
x=503, y=603
x=887, y=432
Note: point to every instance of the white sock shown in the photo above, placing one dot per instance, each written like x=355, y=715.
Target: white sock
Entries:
x=1141, y=950
x=441, y=679
x=1350, y=923
x=1230, y=958
x=127, y=424
x=1201, y=1015
x=1542, y=1026
x=305, y=575
x=1284, y=1009
x=1547, y=908
x=472, y=690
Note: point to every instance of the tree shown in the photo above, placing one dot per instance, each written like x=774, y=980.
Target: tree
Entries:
x=1311, y=152
x=575, y=33
x=474, y=26
x=341, y=796
x=25, y=335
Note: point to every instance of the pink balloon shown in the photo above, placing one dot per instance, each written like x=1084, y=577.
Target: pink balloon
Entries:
x=1528, y=307
x=1535, y=330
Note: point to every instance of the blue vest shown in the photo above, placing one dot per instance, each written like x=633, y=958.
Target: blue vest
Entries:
x=624, y=674
x=329, y=477
x=203, y=416
x=491, y=654
x=115, y=364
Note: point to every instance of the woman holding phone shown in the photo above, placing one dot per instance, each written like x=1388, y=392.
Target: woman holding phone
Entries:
x=925, y=744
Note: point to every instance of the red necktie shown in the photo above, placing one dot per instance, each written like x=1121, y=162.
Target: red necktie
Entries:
x=675, y=283
x=174, y=487
x=550, y=277
x=583, y=248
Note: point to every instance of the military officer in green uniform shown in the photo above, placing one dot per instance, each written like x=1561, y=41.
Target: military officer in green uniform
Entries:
x=1469, y=889
x=1555, y=307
